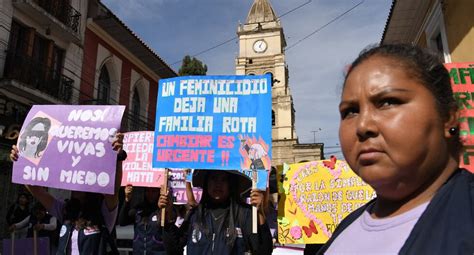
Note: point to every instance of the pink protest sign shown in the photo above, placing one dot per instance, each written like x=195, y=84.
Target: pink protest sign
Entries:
x=69, y=147
x=137, y=168
x=462, y=81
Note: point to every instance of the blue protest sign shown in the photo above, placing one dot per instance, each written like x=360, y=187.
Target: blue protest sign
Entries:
x=214, y=122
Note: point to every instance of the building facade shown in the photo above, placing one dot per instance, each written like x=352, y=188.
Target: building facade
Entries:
x=40, y=63
x=261, y=51
x=69, y=52
x=119, y=68
x=442, y=25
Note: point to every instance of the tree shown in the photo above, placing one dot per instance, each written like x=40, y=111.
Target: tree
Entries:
x=192, y=66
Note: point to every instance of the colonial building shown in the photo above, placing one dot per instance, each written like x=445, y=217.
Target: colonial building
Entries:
x=40, y=63
x=262, y=50
x=69, y=52
x=445, y=26
x=119, y=68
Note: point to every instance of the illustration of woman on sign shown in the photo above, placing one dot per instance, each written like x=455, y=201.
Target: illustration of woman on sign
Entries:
x=34, y=139
x=255, y=153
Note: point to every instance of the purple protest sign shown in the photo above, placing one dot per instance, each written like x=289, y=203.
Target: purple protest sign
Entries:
x=178, y=185
x=26, y=246
x=69, y=147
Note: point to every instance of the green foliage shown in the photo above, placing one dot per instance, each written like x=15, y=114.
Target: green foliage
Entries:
x=192, y=66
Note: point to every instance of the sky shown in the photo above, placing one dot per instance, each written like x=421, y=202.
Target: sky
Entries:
x=175, y=28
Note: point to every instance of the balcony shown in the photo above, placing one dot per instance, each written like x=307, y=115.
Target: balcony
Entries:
x=57, y=15
x=33, y=80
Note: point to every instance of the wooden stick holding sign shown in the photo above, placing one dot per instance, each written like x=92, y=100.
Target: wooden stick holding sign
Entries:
x=13, y=242
x=165, y=190
x=254, y=208
x=35, y=242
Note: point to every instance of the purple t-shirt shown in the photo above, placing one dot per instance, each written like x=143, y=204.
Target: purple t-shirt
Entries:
x=367, y=235
x=109, y=216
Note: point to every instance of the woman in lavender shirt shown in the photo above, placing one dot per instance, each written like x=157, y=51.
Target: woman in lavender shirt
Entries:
x=87, y=218
x=399, y=132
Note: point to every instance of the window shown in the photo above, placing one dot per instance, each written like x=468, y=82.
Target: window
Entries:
x=103, y=93
x=135, y=118
x=436, y=38
x=273, y=118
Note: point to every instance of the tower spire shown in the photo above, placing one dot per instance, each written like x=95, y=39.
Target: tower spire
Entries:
x=261, y=11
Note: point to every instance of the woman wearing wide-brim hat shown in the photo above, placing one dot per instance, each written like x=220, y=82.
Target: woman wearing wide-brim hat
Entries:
x=222, y=222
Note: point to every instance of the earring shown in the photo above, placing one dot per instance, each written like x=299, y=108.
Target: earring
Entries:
x=453, y=131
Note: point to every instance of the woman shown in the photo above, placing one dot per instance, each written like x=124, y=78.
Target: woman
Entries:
x=17, y=213
x=40, y=221
x=399, y=132
x=146, y=219
x=221, y=223
x=87, y=218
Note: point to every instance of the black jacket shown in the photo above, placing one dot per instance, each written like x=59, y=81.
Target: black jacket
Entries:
x=89, y=242
x=445, y=227
x=147, y=228
x=199, y=242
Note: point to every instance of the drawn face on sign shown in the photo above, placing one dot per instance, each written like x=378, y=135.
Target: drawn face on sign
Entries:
x=34, y=139
x=391, y=132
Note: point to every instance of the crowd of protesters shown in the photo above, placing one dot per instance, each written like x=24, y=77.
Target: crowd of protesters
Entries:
x=399, y=132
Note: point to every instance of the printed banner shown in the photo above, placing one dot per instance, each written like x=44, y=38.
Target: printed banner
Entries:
x=462, y=80
x=69, y=147
x=177, y=182
x=137, y=169
x=214, y=122
x=315, y=197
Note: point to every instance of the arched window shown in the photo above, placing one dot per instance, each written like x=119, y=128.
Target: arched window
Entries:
x=273, y=118
x=135, y=118
x=103, y=94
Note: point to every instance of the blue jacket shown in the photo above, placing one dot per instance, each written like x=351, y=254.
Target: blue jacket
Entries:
x=147, y=230
x=445, y=227
x=199, y=242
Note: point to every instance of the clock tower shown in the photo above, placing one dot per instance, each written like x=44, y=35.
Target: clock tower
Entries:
x=261, y=51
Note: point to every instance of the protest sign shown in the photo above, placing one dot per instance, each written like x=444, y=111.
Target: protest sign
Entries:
x=315, y=197
x=137, y=169
x=177, y=182
x=214, y=122
x=462, y=78
x=69, y=147
x=26, y=246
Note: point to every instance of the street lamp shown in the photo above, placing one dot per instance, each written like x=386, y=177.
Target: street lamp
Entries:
x=314, y=134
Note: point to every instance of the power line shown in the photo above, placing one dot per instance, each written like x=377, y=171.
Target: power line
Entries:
x=235, y=37
x=325, y=25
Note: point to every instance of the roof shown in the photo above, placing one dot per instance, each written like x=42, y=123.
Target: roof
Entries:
x=117, y=29
x=261, y=11
x=405, y=21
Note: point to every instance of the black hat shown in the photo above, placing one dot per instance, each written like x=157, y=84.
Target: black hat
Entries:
x=244, y=183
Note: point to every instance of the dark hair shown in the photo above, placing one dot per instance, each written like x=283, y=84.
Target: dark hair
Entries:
x=38, y=207
x=85, y=214
x=421, y=64
x=39, y=133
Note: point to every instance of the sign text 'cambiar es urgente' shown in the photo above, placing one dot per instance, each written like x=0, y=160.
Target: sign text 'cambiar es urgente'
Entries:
x=214, y=122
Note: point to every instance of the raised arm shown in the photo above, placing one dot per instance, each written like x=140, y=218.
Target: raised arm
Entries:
x=111, y=201
x=189, y=191
x=46, y=199
x=126, y=215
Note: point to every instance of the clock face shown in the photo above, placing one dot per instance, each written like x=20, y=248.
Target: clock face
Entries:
x=259, y=46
